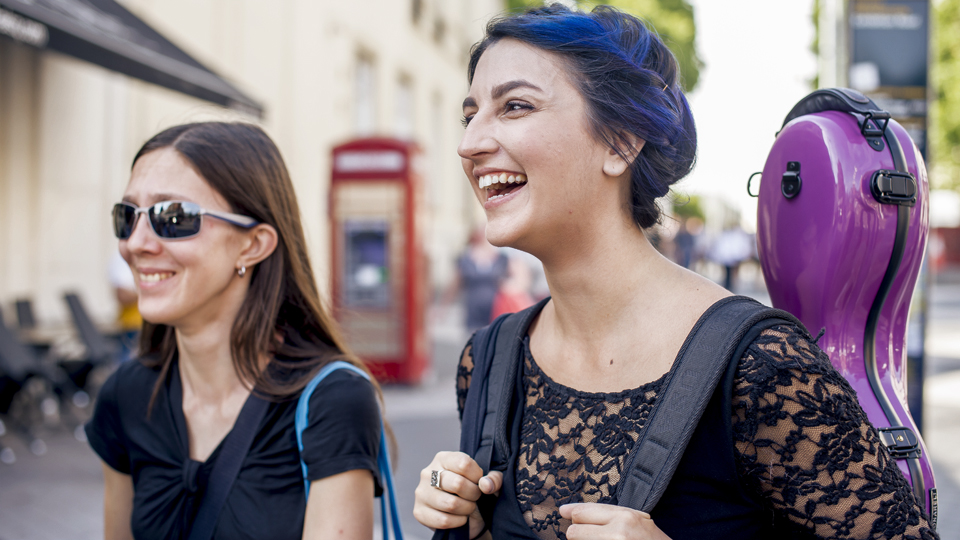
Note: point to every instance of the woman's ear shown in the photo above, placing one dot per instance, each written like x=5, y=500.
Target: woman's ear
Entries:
x=260, y=243
x=629, y=146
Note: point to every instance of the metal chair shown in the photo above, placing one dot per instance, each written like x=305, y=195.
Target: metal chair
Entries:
x=29, y=388
x=100, y=350
x=25, y=318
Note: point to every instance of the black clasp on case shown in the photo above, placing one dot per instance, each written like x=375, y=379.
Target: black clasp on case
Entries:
x=900, y=441
x=892, y=187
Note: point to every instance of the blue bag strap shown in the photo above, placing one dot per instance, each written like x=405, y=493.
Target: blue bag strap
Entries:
x=388, y=502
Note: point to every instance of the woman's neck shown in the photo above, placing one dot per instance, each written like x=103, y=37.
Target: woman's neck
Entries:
x=598, y=280
x=609, y=286
x=206, y=362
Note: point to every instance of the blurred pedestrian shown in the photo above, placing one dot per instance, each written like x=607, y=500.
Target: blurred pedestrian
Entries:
x=576, y=124
x=730, y=250
x=687, y=241
x=233, y=331
x=128, y=316
x=514, y=292
x=480, y=269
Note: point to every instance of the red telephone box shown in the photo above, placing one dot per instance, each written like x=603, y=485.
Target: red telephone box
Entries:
x=379, y=268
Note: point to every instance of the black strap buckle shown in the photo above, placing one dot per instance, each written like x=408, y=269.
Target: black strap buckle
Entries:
x=872, y=118
x=892, y=187
x=901, y=442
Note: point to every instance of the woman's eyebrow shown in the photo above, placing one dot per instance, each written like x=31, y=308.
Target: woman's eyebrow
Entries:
x=501, y=89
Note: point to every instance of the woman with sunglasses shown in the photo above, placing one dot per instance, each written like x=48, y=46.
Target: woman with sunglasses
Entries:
x=210, y=227
x=575, y=124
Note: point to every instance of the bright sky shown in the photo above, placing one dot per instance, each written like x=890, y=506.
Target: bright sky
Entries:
x=758, y=65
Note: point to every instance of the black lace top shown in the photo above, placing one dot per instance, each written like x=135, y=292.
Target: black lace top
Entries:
x=802, y=444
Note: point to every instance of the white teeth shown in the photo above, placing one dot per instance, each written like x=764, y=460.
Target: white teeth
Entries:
x=153, y=278
x=503, y=178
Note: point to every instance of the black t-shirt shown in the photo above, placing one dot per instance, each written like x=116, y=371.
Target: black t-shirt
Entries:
x=267, y=499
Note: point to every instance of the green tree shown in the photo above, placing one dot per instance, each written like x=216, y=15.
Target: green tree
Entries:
x=672, y=19
x=944, y=132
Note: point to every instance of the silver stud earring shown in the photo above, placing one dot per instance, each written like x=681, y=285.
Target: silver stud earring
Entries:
x=241, y=271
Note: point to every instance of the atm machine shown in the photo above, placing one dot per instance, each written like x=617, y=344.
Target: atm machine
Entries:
x=380, y=284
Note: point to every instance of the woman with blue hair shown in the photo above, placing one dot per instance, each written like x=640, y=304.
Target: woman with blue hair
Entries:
x=575, y=125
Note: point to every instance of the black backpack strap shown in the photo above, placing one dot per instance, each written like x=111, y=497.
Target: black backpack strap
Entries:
x=504, y=367
x=235, y=447
x=688, y=388
x=483, y=426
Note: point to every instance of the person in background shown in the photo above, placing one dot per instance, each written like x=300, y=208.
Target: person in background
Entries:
x=514, y=292
x=686, y=242
x=128, y=316
x=730, y=250
x=210, y=227
x=575, y=125
x=480, y=270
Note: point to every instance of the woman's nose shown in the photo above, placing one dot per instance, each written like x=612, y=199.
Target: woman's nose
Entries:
x=142, y=238
x=477, y=140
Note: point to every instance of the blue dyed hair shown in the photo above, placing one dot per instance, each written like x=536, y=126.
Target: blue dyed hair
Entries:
x=630, y=81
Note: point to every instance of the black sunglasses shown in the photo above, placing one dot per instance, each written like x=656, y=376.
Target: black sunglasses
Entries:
x=171, y=219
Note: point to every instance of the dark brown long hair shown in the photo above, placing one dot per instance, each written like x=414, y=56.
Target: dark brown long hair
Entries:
x=282, y=316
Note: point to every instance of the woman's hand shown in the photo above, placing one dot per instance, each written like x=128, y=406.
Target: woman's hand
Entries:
x=454, y=502
x=591, y=521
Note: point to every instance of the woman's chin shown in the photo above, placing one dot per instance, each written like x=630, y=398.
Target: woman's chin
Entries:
x=157, y=315
x=500, y=236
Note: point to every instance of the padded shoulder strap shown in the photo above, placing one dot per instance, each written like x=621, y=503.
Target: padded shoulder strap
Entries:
x=688, y=388
x=836, y=99
x=501, y=378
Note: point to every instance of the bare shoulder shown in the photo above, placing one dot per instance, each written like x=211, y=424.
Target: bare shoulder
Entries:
x=693, y=294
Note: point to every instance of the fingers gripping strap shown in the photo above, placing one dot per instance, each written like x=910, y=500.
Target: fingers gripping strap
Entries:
x=686, y=392
x=388, y=502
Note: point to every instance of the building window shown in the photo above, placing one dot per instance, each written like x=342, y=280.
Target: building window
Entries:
x=439, y=30
x=365, y=113
x=416, y=11
x=404, y=112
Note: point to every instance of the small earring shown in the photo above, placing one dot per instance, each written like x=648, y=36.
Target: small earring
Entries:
x=241, y=271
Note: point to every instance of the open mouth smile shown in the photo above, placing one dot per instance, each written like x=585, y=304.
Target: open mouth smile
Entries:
x=155, y=277
x=500, y=185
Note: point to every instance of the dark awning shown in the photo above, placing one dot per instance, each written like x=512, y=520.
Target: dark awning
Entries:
x=105, y=33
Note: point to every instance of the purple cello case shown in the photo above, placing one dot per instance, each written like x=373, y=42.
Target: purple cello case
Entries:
x=841, y=230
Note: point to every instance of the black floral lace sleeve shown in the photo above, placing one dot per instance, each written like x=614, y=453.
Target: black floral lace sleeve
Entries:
x=805, y=444
x=464, y=373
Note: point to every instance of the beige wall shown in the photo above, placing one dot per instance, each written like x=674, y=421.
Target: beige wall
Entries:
x=68, y=129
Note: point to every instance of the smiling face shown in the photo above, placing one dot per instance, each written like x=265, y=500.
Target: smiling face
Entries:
x=189, y=281
x=529, y=153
